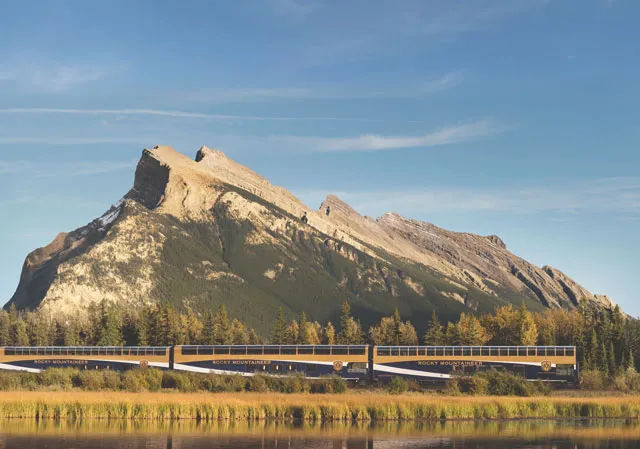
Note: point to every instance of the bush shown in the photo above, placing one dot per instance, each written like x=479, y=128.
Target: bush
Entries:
x=628, y=381
x=257, y=384
x=91, y=380
x=58, y=377
x=591, y=380
x=180, y=381
x=397, y=385
x=474, y=385
x=133, y=381
x=112, y=380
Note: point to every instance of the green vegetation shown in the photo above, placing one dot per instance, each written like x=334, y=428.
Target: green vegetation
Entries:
x=496, y=383
x=153, y=380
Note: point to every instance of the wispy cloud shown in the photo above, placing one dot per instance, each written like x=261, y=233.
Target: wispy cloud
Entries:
x=619, y=197
x=62, y=140
x=7, y=167
x=171, y=113
x=373, y=142
x=80, y=168
x=49, y=77
x=294, y=8
x=245, y=95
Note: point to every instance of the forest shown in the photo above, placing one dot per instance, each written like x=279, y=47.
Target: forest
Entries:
x=607, y=341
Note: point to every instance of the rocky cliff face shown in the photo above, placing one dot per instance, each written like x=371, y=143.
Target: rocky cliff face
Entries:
x=209, y=231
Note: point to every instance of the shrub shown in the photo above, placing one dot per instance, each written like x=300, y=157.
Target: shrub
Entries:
x=91, y=379
x=627, y=381
x=180, y=381
x=112, y=380
x=591, y=380
x=58, y=377
x=397, y=385
x=133, y=381
x=474, y=385
x=257, y=384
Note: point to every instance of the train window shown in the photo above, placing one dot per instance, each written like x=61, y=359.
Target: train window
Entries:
x=485, y=351
x=422, y=351
x=475, y=351
x=466, y=351
x=431, y=352
x=9, y=351
x=56, y=351
x=395, y=351
x=457, y=351
x=160, y=351
x=570, y=352
x=221, y=350
x=340, y=350
x=357, y=350
x=541, y=351
x=404, y=351
x=305, y=350
x=48, y=351
x=133, y=352
x=288, y=350
x=239, y=350
x=322, y=350
x=254, y=350
x=111, y=351
x=205, y=350
x=189, y=350
x=512, y=351
x=384, y=351
x=102, y=351
x=272, y=350
x=413, y=352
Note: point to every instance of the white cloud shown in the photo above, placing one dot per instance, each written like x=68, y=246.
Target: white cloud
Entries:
x=373, y=142
x=294, y=8
x=80, y=168
x=49, y=77
x=618, y=197
x=245, y=95
x=62, y=140
x=169, y=113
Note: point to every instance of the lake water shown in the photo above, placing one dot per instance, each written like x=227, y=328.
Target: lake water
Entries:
x=511, y=434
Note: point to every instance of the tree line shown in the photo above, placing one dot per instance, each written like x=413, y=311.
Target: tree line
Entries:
x=606, y=340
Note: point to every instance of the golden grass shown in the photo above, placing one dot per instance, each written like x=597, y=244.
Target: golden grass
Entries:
x=350, y=407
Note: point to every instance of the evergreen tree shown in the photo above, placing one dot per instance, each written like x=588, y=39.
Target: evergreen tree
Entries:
x=292, y=333
x=208, y=333
x=279, y=329
x=329, y=334
x=143, y=327
x=19, y=334
x=109, y=332
x=253, y=338
x=435, y=332
x=222, y=328
x=527, y=330
x=5, y=328
x=397, y=323
x=239, y=334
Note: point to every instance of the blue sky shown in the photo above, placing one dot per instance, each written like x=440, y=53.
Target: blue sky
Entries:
x=509, y=117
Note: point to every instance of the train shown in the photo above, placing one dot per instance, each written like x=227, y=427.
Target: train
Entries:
x=351, y=362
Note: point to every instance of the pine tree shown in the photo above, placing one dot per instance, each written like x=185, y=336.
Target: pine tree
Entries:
x=397, y=323
x=222, y=328
x=109, y=333
x=208, y=333
x=239, y=335
x=19, y=334
x=279, y=328
x=435, y=332
x=527, y=330
x=5, y=328
x=292, y=333
x=254, y=339
x=143, y=327
x=329, y=334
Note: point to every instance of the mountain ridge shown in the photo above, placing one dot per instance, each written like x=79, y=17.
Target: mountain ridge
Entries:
x=208, y=230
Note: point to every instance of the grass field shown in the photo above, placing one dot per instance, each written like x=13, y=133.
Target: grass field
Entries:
x=351, y=407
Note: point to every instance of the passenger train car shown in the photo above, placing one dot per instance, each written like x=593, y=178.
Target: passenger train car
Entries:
x=351, y=362
x=549, y=363
x=35, y=359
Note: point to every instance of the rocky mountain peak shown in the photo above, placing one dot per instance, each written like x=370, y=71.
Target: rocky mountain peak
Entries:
x=206, y=231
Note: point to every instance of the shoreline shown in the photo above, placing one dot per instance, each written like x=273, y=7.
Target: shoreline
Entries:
x=348, y=407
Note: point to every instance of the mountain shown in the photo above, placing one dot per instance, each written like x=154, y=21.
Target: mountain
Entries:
x=203, y=232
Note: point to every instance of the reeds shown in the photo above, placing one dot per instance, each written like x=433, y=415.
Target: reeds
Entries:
x=304, y=407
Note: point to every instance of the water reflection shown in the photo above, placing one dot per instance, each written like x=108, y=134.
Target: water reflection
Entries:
x=544, y=434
